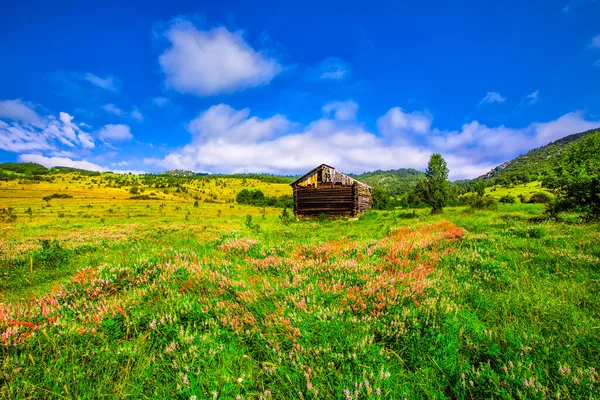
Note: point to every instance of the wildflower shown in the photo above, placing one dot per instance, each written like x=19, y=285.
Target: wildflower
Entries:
x=153, y=324
x=239, y=380
x=193, y=397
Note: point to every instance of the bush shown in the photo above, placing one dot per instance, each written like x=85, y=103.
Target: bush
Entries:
x=483, y=203
x=285, y=216
x=539, y=198
x=57, y=196
x=8, y=215
x=508, y=199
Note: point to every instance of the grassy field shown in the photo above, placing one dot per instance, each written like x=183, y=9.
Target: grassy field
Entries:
x=525, y=189
x=130, y=298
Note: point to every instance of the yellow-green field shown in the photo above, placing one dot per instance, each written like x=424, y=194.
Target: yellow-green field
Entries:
x=94, y=199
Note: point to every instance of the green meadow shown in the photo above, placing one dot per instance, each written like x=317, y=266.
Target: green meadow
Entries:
x=194, y=296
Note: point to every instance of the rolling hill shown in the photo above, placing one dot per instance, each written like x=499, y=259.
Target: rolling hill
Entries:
x=395, y=181
x=537, y=162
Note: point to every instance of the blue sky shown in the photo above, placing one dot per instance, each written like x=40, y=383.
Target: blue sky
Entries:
x=281, y=87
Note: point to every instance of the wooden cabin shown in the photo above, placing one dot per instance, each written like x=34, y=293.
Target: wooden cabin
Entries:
x=327, y=191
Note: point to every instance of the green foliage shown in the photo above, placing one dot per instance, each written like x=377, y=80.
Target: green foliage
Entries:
x=143, y=197
x=285, y=217
x=478, y=202
x=433, y=189
x=8, y=215
x=57, y=196
x=536, y=163
x=576, y=181
x=508, y=199
x=394, y=182
x=134, y=190
x=51, y=254
x=380, y=198
x=539, y=198
x=25, y=168
x=479, y=187
x=79, y=171
x=257, y=198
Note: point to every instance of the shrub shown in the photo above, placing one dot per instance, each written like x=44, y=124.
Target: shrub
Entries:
x=57, y=196
x=8, y=215
x=539, y=198
x=285, y=216
x=483, y=203
x=508, y=199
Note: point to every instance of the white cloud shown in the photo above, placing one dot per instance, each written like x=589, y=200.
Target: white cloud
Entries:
x=532, y=97
x=341, y=110
x=115, y=132
x=492, y=97
x=222, y=123
x=160, y=101
x=396, y=120
x=332, y=69
x=108, y=83
x=112, y=109
x=134, y=114
x=50, y=162
x=405, y=140
x=215, y=61
x=596, y=41
x=18, y=111
x=46, y=134
x=597, y=63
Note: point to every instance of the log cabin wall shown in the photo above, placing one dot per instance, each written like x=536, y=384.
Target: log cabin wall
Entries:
x=326, y=191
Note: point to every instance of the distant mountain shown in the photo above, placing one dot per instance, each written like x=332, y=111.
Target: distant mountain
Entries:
x=395, y=181
x=537, y=162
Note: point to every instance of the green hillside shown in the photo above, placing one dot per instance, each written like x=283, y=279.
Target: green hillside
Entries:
x=535, y=163
x=24, y=168
x=395, y=181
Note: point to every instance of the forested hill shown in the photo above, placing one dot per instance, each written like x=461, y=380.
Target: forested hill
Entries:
x=535, y=163
x=395, y=181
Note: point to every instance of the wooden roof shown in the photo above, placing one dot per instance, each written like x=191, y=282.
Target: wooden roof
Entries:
x=336, y=177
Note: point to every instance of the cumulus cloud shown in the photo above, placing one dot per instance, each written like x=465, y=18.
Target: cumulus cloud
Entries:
x=209, y=62
x=397, y=120
x=222, y=123
x=26, y=132
x=115, y=132
x=492, y=97
x=332, y=69
x=108, y=83
x=18, y=111
x=50, y=162
x=405, y=139
x=341, y=110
